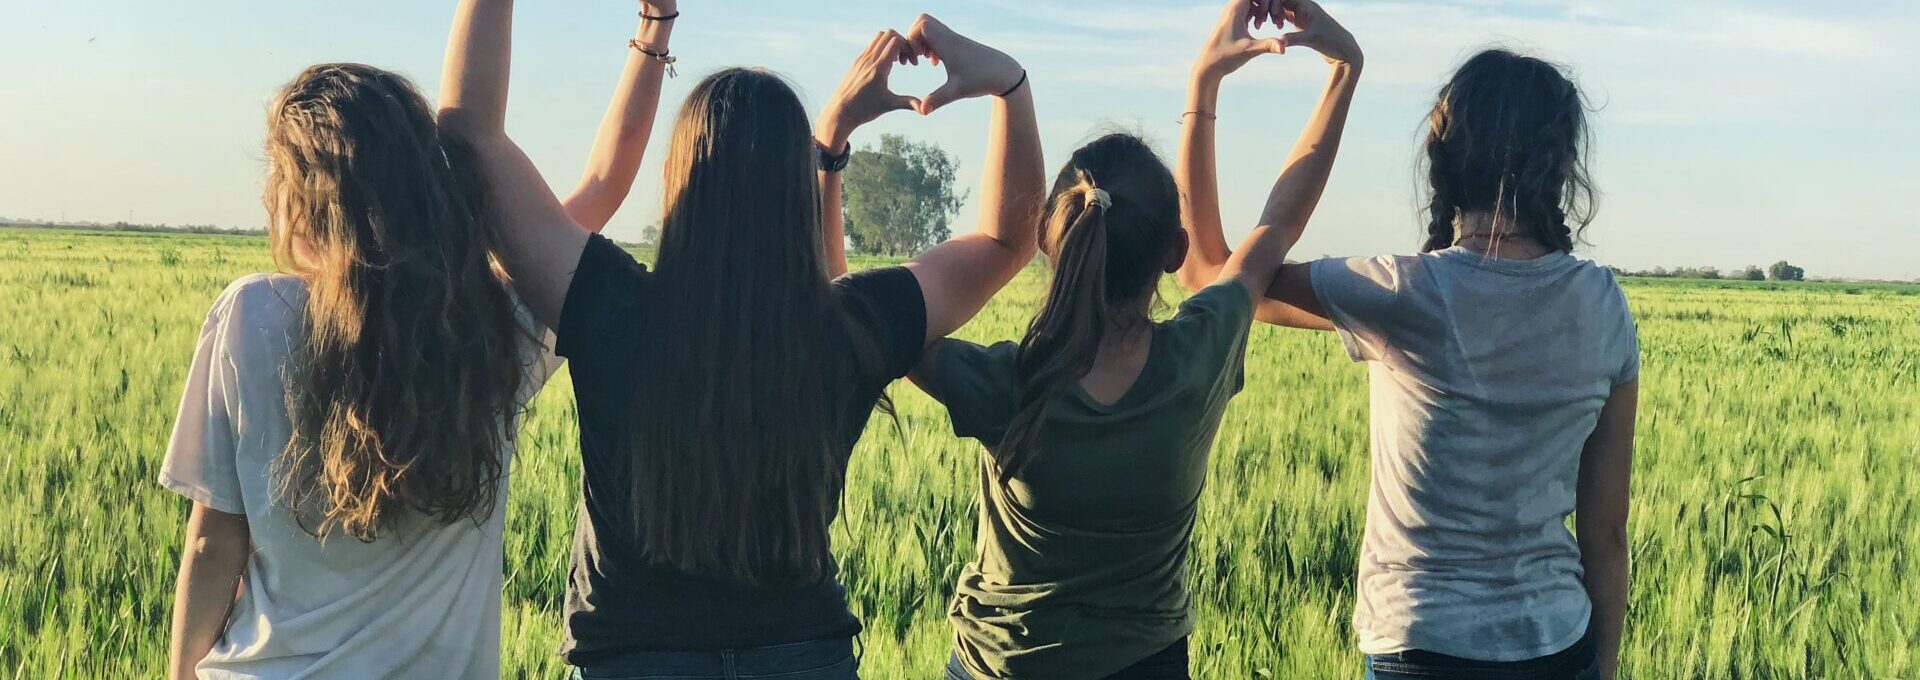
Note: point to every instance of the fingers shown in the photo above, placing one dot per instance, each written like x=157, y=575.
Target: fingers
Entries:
x=1297, y=39
x=897, y=48
x=925, y=32
x=947, y=94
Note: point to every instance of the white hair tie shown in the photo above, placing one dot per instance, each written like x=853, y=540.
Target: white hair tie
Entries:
x=1099, y=197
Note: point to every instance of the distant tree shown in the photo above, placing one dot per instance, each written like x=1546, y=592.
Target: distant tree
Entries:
x=650, y=235
x=1752, y=273
x=1659, y=273
x=1781, y=271
x=899, y=197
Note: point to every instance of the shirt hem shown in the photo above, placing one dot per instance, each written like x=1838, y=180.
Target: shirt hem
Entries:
x=1410, y=640
x=199, y=493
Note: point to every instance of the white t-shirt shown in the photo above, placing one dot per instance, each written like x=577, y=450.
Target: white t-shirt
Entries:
x=1488, y=376
x=420, y=602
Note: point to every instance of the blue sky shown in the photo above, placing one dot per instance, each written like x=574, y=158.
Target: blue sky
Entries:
x=1730, y=133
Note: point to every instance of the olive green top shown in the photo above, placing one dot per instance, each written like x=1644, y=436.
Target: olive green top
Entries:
x=1080, y=569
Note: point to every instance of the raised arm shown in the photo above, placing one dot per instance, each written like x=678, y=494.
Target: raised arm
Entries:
x=1303, y=178
x=211, y=564
x=863, y=96
x=540, y=243
x=628, y=124
x=960, y=276
x=1600, y=520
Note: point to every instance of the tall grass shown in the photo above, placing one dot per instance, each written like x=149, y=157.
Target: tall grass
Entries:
x=1774, y=527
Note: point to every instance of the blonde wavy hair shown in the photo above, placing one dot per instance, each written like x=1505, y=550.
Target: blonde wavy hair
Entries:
x=404, y=377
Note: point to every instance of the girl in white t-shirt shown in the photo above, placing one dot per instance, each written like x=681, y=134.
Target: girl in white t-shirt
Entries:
x=349, y=422
x=1504, y=379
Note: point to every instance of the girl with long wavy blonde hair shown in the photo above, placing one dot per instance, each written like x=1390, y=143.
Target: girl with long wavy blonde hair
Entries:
x=349, y=421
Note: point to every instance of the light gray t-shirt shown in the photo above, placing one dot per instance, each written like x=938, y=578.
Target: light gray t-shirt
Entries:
x=422, y=602
x=1488, y=376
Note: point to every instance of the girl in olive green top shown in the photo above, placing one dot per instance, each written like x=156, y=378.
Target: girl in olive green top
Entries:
x=1099, y=422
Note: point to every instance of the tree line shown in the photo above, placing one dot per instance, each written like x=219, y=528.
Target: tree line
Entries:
x=1778, y=271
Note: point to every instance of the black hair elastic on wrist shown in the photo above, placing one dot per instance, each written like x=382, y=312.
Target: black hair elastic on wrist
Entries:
x=1016, y=86
x=670, y=17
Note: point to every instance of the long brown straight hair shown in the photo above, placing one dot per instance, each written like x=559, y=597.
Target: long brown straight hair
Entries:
x=738, y=456
x=1106, y=261
x=1509, y=136
x=406, y=366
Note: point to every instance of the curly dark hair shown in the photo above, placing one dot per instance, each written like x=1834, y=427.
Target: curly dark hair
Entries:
x=1509, y=137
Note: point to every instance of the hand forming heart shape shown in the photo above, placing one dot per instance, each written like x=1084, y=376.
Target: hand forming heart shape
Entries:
x=972, y=69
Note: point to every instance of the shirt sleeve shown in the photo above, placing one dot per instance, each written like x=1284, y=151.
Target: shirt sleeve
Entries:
x=888, y=303
x=201, y=461
x=1214, y=323
x=1630, y=342
x=603, y=287
x=977, y=386
x=1361, y=296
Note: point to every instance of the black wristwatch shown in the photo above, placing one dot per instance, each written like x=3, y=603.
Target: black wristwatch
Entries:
x=831, y=161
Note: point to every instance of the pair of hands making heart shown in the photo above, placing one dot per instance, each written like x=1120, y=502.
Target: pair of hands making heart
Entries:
x=973, y=70
x=1232, y=44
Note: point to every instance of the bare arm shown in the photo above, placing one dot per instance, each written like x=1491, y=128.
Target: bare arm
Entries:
x=863, y=96
x=1600, y=520
x=960, y=276
x=622, y=139
x=1291, y=202
x=212, y=560
x=541, y=244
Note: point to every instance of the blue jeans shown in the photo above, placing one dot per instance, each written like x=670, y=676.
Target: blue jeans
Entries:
x=816, y=660
x=1167, y=664
x=1578, y=662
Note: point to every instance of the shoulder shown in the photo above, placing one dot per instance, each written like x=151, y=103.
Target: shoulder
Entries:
x=1390, y=272
x=882, y=284
x=887, y=302
x=997, y=358
x=260, y=298
x=1227, y=302
x=603, y=261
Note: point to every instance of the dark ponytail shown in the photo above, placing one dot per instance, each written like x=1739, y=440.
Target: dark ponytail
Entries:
x=1064, y=338
x=1508, y=136
x=1111, y=230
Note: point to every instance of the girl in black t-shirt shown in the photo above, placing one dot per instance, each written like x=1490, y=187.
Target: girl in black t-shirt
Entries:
x=721, y=394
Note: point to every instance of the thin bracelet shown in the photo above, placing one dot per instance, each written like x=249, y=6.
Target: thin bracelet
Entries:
x=663, y=56
x=646, y=17
x=1208, y=116
x=1016, y=86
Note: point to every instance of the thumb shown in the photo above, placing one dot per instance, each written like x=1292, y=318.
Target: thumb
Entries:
x=901, y=101
x=1271, y=46
x=947, y=94
x=1296, y=39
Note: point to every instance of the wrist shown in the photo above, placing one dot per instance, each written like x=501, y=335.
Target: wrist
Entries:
x=1203, y=95
x=833, y=133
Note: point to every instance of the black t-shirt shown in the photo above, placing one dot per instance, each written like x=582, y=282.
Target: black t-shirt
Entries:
x=618, y=602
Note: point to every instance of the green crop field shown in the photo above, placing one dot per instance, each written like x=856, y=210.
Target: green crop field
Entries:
x=1774, y=533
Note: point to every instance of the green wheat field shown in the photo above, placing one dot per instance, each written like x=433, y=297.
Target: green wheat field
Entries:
x=1774, y=527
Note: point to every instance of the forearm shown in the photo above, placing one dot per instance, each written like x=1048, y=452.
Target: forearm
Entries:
x=1303, y=179
x=624, y=131
x=1197, y=171
x=1607, y=572
x=1014, y=187
x=473, y=80
x=210, y=568
x=832, y=133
